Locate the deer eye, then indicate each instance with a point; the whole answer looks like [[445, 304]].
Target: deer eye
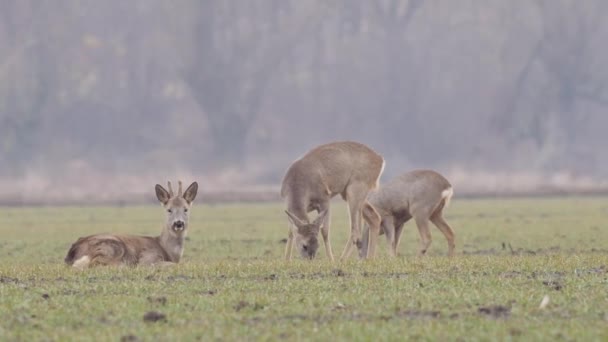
[[169, 210], [186, 210], [305, 247]]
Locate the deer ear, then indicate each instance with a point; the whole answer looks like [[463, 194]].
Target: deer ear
[[162, 194], [294, 219], [190, 193]]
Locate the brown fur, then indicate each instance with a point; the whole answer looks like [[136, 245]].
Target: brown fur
[[419, 194], [347, 168], [117, 249], [110, 249]]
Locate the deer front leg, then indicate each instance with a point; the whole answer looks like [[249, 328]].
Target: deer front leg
[[325, 232], [397, 240], [447, 231], [388, 227], [289, 244]]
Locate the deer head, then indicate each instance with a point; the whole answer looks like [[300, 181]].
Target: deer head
[[177, 206], [306, 234]]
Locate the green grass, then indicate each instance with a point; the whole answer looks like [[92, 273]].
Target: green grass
[[234, 285]]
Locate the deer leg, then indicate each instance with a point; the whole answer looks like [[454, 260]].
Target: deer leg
[[397, 239], [445, 228], [388, 227], [325, 232], [425, 235], [354, 214], [398, 230], [289, 245], [355, 196], [371, 216]]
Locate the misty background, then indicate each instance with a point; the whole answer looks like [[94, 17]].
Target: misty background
[[100, 100]]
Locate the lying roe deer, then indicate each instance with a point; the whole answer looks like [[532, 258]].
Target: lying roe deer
[[421, 194], [347, 168], [109, 249]]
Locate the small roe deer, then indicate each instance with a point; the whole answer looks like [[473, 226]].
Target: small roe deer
[[421, 194], [347, 168], [109, 249]]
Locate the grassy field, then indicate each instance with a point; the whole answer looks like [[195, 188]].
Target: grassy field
[[234, 285]]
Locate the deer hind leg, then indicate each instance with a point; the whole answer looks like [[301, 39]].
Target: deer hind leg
[[444, 227], [371, 216], [425, 235], [355, 196], [354, 218], [108, 252]]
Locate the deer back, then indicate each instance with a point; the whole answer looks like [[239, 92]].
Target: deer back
[[107, 249], [328, 169], [412, 191]]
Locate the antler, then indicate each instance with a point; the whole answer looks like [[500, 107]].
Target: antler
[[179, 189], [171, 188]]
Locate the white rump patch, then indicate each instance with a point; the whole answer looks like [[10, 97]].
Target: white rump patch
[[82, 262], [447, 195]]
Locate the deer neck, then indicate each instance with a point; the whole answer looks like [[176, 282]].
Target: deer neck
[[172, 244], [298, 205]]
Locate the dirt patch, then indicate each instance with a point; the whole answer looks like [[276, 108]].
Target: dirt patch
[[46, 296], [179, 277], [491, 251], [152, 277], [511, 274], [597, 270], [515, 332], [554, 284], [70, 292], [495, 311], [158, 300], [315, 275], [271, 277], [339, 307], [397, 275], [243, 304], [554, 275], [417, 314], [508, 248], [299, 317], [338, 273], [6, 280], [240, 305], [129, 338], [599, 250], [155, 316]]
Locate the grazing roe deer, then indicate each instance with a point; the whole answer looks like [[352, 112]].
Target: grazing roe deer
[[347, 168], [110, 249], [421, 194]]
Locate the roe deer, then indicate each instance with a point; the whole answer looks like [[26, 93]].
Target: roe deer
[[109, 249], [421, 194], [347, 168]]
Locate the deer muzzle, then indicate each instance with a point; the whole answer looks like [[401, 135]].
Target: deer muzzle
[[179, 226]]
